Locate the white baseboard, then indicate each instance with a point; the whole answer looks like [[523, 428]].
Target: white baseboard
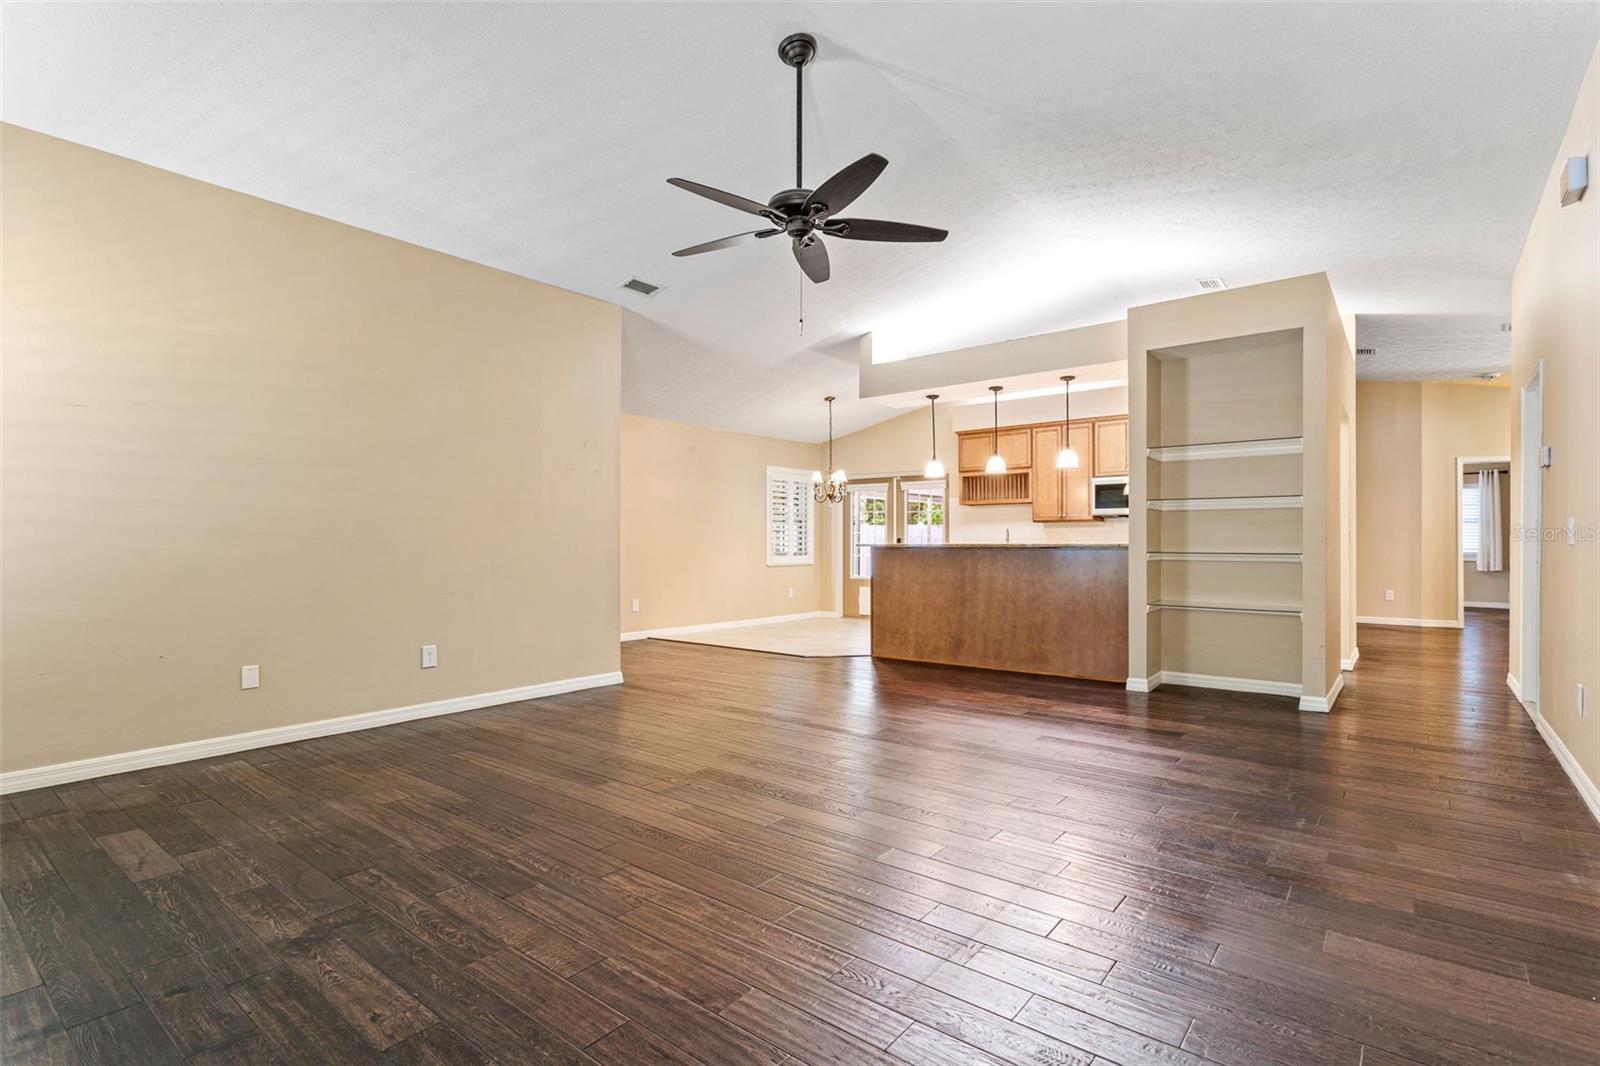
[[1231, 684], [711, 627], [1350, 663], [1580, 780], [1490, 606], [84, 769], [1144, 684], [1421, 623], [1324, 704]]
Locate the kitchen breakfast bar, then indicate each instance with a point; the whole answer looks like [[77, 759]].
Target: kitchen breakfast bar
[[1056, 609]]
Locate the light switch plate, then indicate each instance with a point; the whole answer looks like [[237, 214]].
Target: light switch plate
[[249, 677], [635, 606], [430, 656]]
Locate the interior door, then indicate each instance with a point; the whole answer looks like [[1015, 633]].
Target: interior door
[[869, 519]]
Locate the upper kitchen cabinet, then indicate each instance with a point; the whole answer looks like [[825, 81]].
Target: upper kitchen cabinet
[[1110, 447]]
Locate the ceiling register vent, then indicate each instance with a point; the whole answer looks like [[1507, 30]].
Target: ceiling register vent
[[1366, 351], [643, 288], [1210, 284]]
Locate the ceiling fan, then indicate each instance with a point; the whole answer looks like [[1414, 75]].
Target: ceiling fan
[[806, 215]]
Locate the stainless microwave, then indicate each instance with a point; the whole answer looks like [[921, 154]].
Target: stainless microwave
[[1108, 496]]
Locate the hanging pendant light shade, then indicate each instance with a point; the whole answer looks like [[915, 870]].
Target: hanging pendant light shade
[[832, 488], [997, 462], [934, 468], [1067, 458]]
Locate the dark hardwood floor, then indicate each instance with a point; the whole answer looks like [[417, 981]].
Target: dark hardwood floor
[[744, 858]]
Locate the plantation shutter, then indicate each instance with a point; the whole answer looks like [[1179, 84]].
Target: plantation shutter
[[789, 517]]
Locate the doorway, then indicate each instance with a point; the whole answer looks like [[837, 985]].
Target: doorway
[[880, 511], [1530, 535]]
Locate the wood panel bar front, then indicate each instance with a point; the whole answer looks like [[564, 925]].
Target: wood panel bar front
[[1054, 609]]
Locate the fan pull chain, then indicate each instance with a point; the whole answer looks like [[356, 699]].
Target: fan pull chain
[[802, 305]]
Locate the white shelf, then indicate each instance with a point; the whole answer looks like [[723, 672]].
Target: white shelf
[[1282, 610], [1230, 503], [1224, 557], [1230, 449]]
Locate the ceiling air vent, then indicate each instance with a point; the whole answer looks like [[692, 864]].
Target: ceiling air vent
[[1211, 284], [1366, 351], [643, 288], [1505, 327]]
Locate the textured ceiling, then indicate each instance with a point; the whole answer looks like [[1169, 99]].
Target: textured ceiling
[[1431, 347], [1085, 157]]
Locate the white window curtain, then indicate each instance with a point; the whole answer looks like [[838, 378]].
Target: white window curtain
[[1491, 537]]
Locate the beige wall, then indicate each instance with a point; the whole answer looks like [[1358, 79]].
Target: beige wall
[[239, 434], [1555, 316], [694, 527], [1409, 436]]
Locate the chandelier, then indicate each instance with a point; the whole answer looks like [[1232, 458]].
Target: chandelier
[[832, 490]]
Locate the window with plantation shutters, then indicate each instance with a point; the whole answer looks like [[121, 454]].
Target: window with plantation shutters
[[790, 511]]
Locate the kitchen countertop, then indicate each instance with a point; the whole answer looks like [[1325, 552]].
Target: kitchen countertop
[[1057, 547]]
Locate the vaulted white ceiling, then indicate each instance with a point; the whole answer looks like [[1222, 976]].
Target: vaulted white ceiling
[[1084, 157]]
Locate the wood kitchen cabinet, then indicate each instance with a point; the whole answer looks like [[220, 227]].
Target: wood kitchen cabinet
[[1032, 477], [1110, 447], [975, 447], [1062, 495]]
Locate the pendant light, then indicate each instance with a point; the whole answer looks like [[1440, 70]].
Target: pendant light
[[831, 490], [997, 462], [1066, 458], [934, 468]]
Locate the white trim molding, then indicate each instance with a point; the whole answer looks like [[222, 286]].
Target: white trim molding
[[1580, 780], [1324, 704], [1489, 606], [1350, 663], [712, 627], [1415, 623], [1144, 684], [99, 766], [1230, 684]]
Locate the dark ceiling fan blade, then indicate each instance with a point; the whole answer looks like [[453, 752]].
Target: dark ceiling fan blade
[[726, 242], [839, 191], [733, 200], [872, 229], [813, 259]]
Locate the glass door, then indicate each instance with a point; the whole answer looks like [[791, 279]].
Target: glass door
[[868, 522], [922, 512]]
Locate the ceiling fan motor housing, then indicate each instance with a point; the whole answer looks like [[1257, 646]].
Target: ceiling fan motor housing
[[797, 49]]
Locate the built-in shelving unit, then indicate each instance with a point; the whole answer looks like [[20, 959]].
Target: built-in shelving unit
[[1230, 449], [1223, 581], [1224, 608], [1229, 503]]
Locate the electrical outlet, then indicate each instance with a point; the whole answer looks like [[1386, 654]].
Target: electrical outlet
[[430, 656], [249, 677], [636, 606], [791, 594], [1388, 594]]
